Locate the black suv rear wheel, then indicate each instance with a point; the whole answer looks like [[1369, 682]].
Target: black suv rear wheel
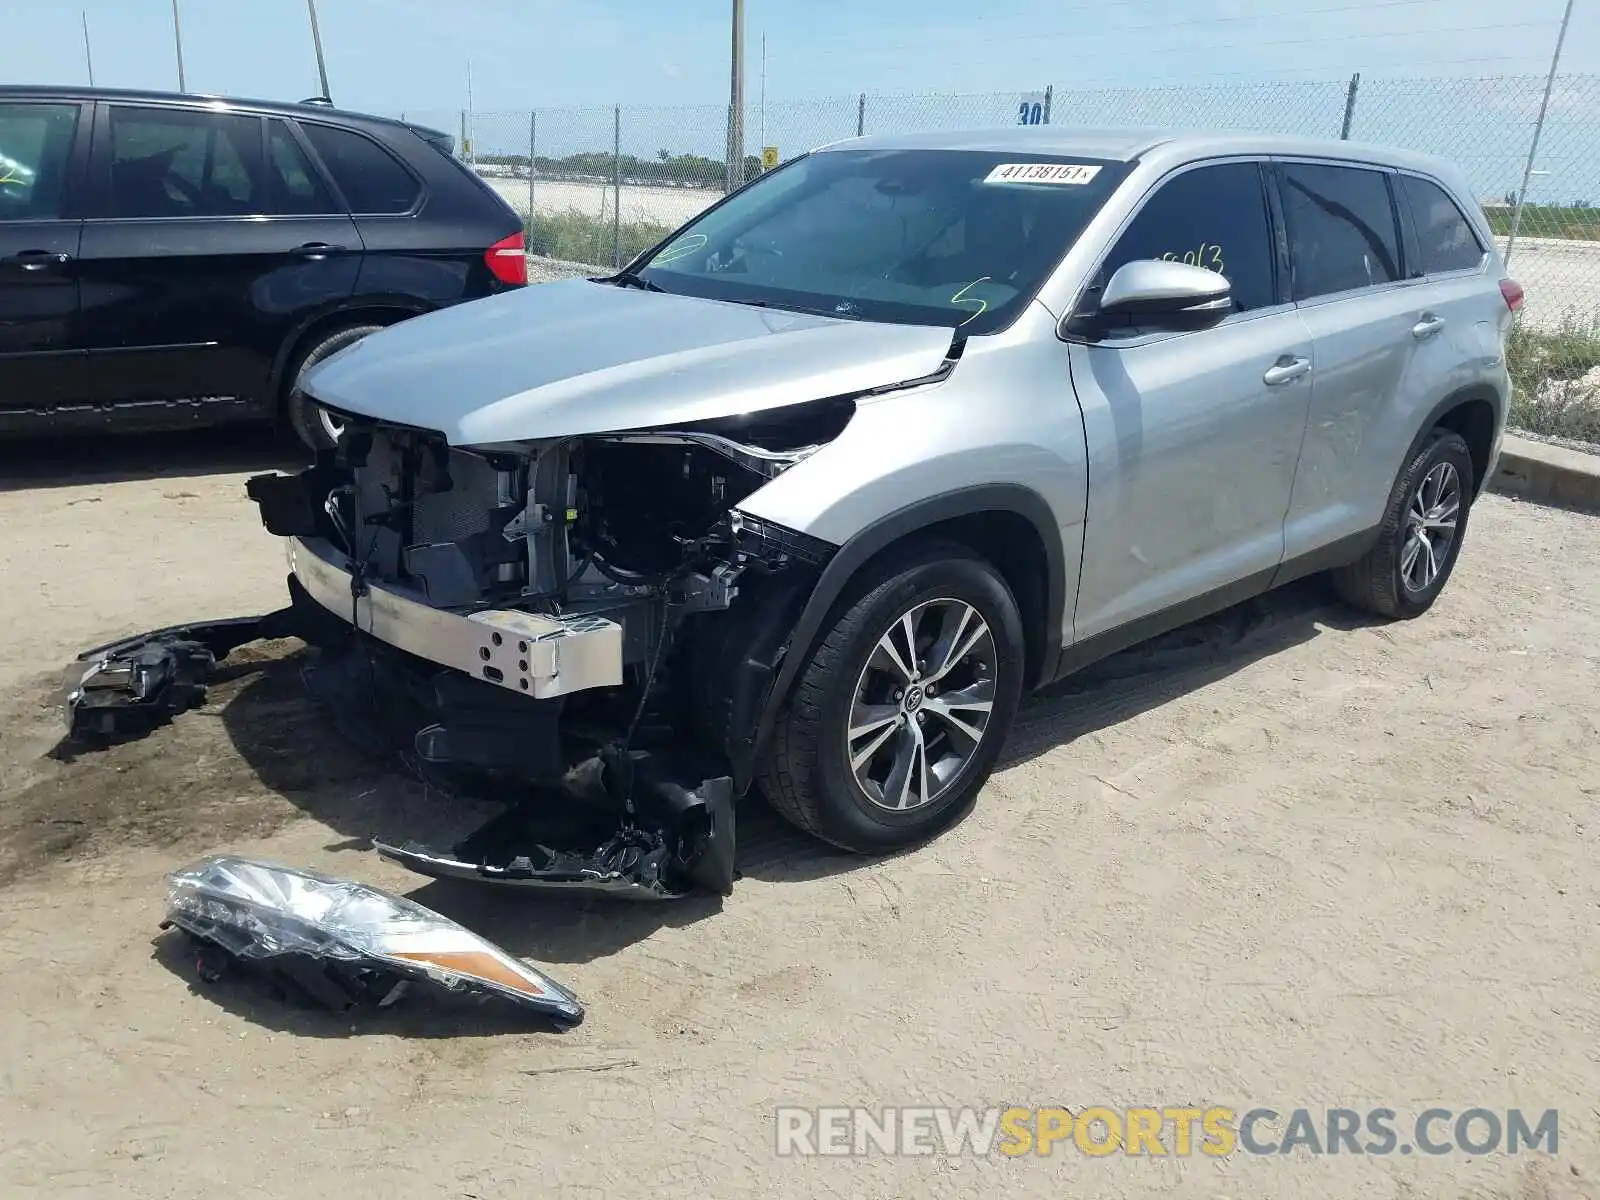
[[315, 425], [900, 712]]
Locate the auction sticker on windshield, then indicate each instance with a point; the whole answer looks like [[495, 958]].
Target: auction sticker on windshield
[[1073, 173]]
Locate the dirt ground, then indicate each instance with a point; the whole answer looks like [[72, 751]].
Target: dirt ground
[[1285, 859]]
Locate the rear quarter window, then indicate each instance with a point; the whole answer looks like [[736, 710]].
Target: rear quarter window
[[1445, 238], [373, 181]]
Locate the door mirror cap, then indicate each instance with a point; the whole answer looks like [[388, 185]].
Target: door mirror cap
[[1153, 287], [1155, 294]]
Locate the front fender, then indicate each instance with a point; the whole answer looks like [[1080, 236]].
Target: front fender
[[872, 541], [915, 460]]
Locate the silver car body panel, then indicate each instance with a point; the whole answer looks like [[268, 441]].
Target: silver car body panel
[[1172, 468], [1190, 472], [528, 653], [1192, 460], [963, 432], [576, 357]]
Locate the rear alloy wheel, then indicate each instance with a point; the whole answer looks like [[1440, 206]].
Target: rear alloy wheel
[[317, 427], [900, 712], [1432, 518], [1423, 527]]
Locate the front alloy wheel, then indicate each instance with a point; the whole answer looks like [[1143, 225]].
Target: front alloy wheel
[[922, 704], [901, 708]]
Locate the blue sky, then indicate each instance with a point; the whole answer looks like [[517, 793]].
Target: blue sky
[[390, 55]]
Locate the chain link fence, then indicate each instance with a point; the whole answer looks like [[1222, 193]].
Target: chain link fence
[[599, 184]]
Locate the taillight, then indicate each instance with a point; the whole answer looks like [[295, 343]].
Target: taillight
[[507, 260], [1512, 291]]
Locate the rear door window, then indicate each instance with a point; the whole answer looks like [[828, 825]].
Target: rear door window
[[35, 147], [180, 163], [372, 180], [1342, 230], [297, 186], [1445, 239], [1213, 217]]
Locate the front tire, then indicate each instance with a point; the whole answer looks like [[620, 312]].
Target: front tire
[[897, 718], [316, 427], [1420, 539]]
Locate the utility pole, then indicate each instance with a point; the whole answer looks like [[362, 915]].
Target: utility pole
[[316, 40], [735, 102], [1538, 128], [466, 135], [763, 90], [1350, 107], [87, 56], [177, 41]]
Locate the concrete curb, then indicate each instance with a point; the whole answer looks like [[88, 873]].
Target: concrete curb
[[1548, 474]]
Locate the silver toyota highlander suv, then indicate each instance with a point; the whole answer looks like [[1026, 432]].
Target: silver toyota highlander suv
[[820, 486]]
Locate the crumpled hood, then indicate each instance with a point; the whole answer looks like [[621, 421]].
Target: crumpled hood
[[571, 358]]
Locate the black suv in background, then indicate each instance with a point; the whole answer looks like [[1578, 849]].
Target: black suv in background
[[170, 260]]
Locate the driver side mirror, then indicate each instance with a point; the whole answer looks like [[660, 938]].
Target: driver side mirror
[[1153, 294]]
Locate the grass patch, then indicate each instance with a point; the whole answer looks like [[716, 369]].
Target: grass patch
[[1548, 220], [579, 237], [1555, 378]]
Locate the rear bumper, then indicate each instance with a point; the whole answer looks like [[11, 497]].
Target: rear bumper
[[533, 655]]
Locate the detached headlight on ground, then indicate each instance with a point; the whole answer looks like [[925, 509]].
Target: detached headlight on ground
[[345, 942]]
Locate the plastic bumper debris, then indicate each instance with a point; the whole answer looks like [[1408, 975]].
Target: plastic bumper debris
[[632, 828], [129, 687]]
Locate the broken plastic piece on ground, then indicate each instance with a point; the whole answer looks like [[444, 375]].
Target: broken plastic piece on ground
[[677, 840], [652, 824], [342, 942], [130, 687]]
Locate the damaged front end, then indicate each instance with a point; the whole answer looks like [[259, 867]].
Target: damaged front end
[[585, 628], [619, 824]]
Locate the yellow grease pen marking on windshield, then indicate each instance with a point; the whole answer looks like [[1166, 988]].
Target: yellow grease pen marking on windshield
[[8, 177], [961, 297], [680, 249]]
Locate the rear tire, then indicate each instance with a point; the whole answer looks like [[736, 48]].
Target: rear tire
[[311, 422], [875, 753], [1420, 539]]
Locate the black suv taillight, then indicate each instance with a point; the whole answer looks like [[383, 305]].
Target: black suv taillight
[[507, 259]]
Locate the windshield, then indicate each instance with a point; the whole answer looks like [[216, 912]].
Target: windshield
[[927, 237]]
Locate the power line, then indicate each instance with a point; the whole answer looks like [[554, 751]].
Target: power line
[[1334, 74], [1314, 41], [1081, 35]]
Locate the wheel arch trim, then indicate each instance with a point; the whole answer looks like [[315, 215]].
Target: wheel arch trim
[[384, 310], [1482, 393], [865, 546]]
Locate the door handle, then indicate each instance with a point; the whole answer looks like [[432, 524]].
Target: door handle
[[1287, 370], [1427, 326], [316, 251], [36, 260]]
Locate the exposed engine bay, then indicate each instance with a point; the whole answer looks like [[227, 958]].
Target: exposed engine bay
[[586, 628]]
